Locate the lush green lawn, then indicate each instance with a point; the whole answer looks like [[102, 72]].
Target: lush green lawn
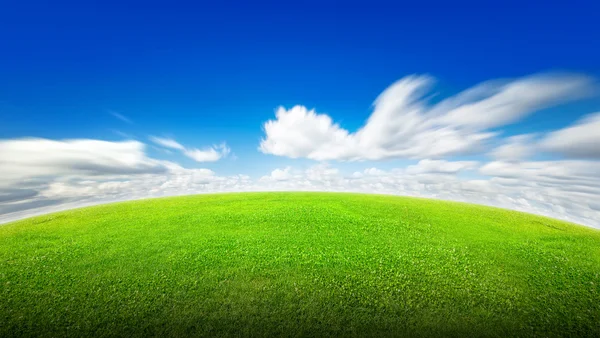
[[298, 264]]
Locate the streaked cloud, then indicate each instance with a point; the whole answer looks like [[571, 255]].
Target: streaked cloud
[[441, 167], [23, 160], [565, 190], [40, 175], [167, 142], [120, 117], [208, 154], [405, 125], [581, 140], [515, 148]]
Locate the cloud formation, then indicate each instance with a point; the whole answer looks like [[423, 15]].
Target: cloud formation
[[121, 117], [167, 142], [565, 190], [562, 189], [581, 140], [41, 175], [578, 141], [440, 167], [24, 160], [31, 166], [209, 154], [404, 125]]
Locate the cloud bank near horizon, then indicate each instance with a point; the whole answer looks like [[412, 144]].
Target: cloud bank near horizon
[[41, 175]]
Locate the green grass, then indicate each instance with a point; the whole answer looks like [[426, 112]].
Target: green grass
[[298, 264]]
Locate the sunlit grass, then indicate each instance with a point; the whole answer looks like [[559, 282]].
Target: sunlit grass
[[297, 264]]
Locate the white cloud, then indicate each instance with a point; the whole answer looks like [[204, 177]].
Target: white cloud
[[30, 167], [404, 125], [441, 167], [209, 154], [565, 190], [22, 160], [322, 172], [562, 189], [317, 173], [564, 175], [497, 103], [373, 172], [299, 132], [121, 117], [279, 175], [515, 148], [40, 175], [167, 142], [579, 140]]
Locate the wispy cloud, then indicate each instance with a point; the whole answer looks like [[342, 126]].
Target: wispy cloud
[[515, 148], [122, 134], [121, 117], [167, 142], [581, 140], [208, 154]]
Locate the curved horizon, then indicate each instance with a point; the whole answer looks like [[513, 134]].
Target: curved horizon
[[104, 102], [26, 214]]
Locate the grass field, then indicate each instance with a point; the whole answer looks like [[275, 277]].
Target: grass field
[[297, 264]]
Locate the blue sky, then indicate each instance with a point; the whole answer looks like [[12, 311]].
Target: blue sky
[[204, 73]]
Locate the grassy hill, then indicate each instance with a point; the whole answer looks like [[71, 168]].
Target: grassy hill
[[298, 264]]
